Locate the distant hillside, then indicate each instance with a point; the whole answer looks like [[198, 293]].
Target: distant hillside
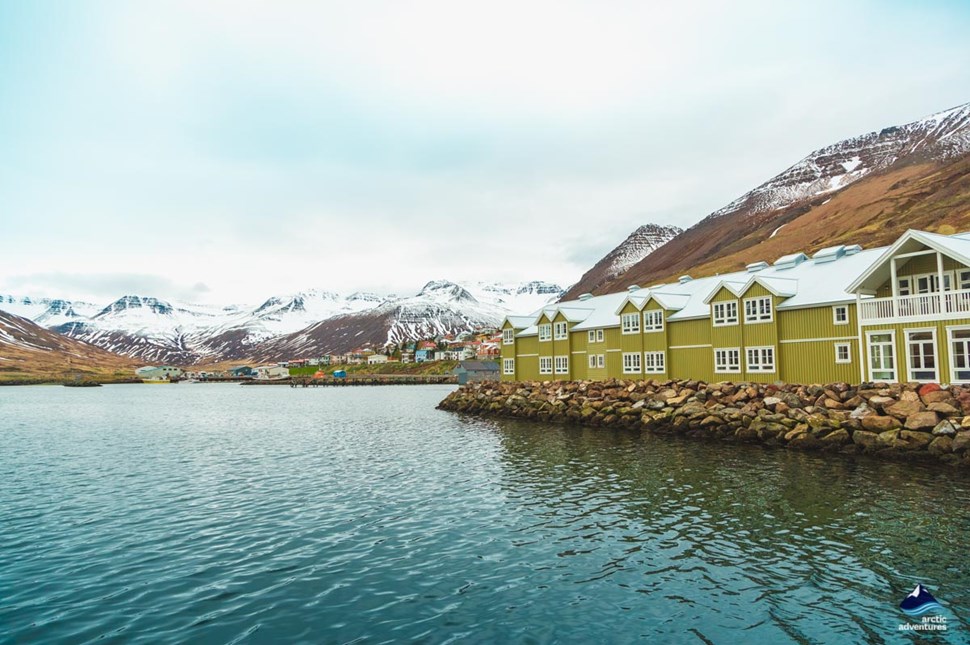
[[864, 190], [29, 352]]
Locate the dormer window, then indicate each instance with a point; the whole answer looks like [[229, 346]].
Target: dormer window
[[508, 336], [545, 332], [757, 310], [725, 313], [560, 331]]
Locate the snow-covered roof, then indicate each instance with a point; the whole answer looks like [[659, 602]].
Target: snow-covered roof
[[878, 271]]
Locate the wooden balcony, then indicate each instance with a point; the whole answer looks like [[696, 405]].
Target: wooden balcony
[[953, 304]]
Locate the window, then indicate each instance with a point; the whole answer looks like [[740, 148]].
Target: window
[[631, 363], [921, 354], [560, 331], [725, 313], [882, 360], [653, 320], [508, 366], [757, 309], [630, 323], [963, 280], [727, 360], [545, 364], [960, 354], [653, 362], [592, 361], [508, 336], [599, 335], [591, 336], [905, 287], [562, 365], [601, 360], [840, 314], [545, 332], [761, 359], [843, 353]]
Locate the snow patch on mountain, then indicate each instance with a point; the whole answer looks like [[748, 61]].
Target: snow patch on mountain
[[638, 245]]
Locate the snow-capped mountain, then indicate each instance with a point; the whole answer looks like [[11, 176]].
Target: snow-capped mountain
[[866, 189], [159, 331], [938, 137], [638, 245]]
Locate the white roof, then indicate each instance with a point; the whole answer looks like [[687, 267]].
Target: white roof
[[805, 284]]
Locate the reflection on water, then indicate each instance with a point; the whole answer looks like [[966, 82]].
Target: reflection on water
[[222, 513]]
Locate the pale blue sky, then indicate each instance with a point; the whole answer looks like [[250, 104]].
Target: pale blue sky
[[195, 150]]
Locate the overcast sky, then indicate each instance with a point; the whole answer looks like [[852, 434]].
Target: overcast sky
[[226, 151]]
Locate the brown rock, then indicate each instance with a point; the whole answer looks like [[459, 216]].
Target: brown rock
[[937, 396], [945, 409], [832, 404], [929, 387], [908, 395], [941, 446], [877, 423], [888, 438], [905, 408], [881, 401], [839, 436], [916, 439], [865, 438], [922, 420], [946, 427], [677, 400], [961, 442]]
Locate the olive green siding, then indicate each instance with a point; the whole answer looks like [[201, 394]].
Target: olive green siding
[[692, 363], [901, 349], [689, 332], [814, 362], [578, 364], [526, 361], [816, 322], [918, 265]]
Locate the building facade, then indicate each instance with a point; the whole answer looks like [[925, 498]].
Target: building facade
[[897, 313]]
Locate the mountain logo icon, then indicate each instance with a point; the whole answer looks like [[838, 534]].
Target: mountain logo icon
[[919, 602]]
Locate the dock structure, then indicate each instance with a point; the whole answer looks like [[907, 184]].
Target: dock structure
[[379, 379]]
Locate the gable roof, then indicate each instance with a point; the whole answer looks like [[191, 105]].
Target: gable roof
[[953, 246]]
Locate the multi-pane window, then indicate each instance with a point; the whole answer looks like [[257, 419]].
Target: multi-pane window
[[630, 323], [761, 359], [653, 362], [545, 364], [843, 353], [960, 354], [757, 309], [508, 336], [599, 335], [653, 320], [840, 314], [591, 336], [560, 331], [631, 363], [508, 365], [963, 280], [591, 358], [882, 359], [601, 360], [562, 364], [725, 313], [921, 353], [545, 332], [727, 360]]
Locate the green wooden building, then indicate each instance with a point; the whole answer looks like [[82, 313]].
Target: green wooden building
[[897, 313]]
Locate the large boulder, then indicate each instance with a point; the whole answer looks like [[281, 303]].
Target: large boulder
[[878, 424], [903, 409], [922, 420], [865, 438]]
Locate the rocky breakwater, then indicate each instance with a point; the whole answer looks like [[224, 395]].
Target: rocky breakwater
[[907, 420]]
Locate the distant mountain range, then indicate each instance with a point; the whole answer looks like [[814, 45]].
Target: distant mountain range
[[311, 322], [867, 190]]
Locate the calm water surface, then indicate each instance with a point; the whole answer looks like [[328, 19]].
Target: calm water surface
[[220, 513]]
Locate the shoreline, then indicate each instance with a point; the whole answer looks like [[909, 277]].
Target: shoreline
[[910, 421]]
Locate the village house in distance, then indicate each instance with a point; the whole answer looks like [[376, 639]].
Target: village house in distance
[[897, 313]]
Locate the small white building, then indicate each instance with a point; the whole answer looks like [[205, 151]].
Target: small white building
[[375, 359], [271, 373]]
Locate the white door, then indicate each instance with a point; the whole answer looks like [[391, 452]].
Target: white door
[[882, 359], [921, 354]]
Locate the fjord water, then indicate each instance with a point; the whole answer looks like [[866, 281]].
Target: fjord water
[[222, 513]]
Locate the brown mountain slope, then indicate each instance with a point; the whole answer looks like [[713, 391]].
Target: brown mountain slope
[[872, 212], [29, 352]]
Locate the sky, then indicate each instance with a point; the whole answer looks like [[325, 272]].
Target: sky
[[222, 152]]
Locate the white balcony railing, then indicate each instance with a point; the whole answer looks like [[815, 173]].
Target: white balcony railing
[[919, 306]]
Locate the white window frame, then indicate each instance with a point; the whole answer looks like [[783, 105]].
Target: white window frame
[[654, 362], [508, 366], [599, 336], [848, 353], [910, 370], [765, 360], [724, 319], [966, 346], [835, 314], [963, 279], [545, 364], [891, 343], [562, 364], [727, 366], [600, 361], [759, 315], [630, 323], [591, 361], [508, 336], [632, 363], [591, 336], [545, 332], [560, 330], [653, 320]]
